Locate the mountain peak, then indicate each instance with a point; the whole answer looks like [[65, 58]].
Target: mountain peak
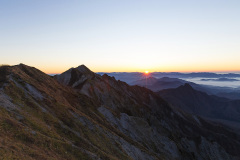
[[21, 70], [82, 68], [75, 76], [186, 87]]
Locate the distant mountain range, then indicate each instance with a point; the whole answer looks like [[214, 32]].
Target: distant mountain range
[[158, 84], [202, 104], [130, 77], [83, 115]]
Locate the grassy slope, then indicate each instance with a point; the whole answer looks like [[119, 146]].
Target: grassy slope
[[29, 132]]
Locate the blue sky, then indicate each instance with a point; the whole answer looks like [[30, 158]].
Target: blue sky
[[125, 35]]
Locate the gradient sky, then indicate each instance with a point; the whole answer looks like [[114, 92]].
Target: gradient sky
[[123, 35]]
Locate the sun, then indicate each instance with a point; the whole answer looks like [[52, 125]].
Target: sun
[[146, 72]]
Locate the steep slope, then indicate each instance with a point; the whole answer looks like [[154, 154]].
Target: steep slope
[[146, 118], [200, 103], [42, 119], [97, 117]]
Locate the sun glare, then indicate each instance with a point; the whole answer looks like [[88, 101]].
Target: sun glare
[[146, 72]]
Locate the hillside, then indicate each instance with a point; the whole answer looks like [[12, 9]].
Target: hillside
[[202, 104], [82, 115]]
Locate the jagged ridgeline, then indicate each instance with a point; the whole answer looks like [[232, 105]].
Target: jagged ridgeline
[[82, 115]]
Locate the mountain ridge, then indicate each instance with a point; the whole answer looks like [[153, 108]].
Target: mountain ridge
[[103, 119], [200, 103]]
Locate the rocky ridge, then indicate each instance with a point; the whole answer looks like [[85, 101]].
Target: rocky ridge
[[82, 115]]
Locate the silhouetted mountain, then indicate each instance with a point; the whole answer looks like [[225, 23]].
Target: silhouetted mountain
[[165, 83], [156, 85], [159, 84], [145, 81], [88, 116], [127, 77], [202, 104], [130, 77]]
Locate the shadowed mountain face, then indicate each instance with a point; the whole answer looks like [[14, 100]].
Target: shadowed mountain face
[[200, 103], [88, 116]]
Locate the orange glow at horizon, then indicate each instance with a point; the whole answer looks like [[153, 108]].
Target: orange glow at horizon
[[61, 69]]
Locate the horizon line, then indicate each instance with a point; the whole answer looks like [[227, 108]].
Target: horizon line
[[217, 72], [142, 71]]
